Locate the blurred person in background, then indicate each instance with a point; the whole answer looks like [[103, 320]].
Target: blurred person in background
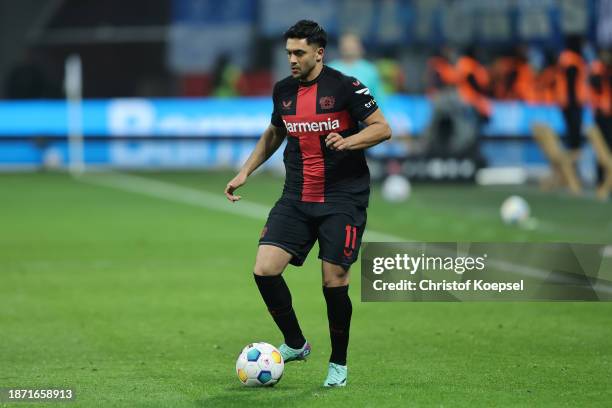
[[450, 132], [392, 76], [503, 75], [225, 77], [473, 83], [523, 84], [570, 95], [600, 136], [440, 73], [512, 77], [544, 81], [571, 91], [353, 63]]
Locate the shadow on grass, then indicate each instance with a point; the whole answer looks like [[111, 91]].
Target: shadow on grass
[[279, 396]]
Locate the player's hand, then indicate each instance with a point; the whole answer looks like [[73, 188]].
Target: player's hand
[[336, 142], [234, 183]]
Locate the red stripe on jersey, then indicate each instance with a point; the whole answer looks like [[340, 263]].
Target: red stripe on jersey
[[313, 164], [308, 126]]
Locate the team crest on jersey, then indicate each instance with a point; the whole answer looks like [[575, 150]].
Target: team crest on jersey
[[327, 102], [356, 83], [287, 104]]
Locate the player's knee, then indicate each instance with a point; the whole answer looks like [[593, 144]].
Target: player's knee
[[335, 276], [266, 269], [270, 261], [268, 266], [336, 281]]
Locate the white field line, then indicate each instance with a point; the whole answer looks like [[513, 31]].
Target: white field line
[[199, 198], [218, 202]]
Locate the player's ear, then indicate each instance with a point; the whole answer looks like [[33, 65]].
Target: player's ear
[[320, 53]]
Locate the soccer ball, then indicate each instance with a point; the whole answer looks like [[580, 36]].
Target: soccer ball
[[259, 364], [514, 210], [396, 188]]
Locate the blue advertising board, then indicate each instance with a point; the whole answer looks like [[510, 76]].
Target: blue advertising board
[[238, 122], [238, 117]]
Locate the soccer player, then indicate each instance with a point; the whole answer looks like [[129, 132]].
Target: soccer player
[[317, 110]]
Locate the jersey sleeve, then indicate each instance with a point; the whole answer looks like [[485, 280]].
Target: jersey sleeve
[[276, 118], [361, 103]]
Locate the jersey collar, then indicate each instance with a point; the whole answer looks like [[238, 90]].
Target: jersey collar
[[313, 81]]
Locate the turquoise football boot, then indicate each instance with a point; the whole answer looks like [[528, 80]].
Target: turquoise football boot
[[336, 376], [291, 354]]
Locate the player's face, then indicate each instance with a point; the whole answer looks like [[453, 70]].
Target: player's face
[[302, 57]]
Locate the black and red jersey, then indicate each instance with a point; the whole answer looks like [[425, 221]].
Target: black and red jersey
[[310, 111]]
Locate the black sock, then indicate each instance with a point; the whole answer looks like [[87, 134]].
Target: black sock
[[339, 311], [275, 293]]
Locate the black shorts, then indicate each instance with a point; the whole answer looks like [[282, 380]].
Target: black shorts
[[295, 226]]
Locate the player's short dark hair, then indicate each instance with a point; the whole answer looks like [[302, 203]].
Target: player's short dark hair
[[308, 29]]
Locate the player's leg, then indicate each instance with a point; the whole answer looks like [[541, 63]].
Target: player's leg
[[339, 312], [340, 235], [269, 266], [286, 238], [561, 163], [339, 309]]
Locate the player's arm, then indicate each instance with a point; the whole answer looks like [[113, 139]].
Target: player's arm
[[268, 143], [377, 130]]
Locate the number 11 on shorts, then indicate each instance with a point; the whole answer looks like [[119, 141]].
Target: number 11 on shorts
[[350, 239]]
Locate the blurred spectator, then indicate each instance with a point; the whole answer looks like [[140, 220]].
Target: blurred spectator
[[452, 133], [571, 91], [440, 72], [503, 75], [225, 78], [570, 95], [391, 75], [513, 77], [473, 82], [522, 88], [353, 63], [544, 84]]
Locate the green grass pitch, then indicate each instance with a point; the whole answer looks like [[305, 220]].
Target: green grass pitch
[[143, 301]]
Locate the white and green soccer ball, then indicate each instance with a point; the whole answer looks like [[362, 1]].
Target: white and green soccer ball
[[259, 365], [514, 210]]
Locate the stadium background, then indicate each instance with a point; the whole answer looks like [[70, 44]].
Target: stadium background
[[133, 285]]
